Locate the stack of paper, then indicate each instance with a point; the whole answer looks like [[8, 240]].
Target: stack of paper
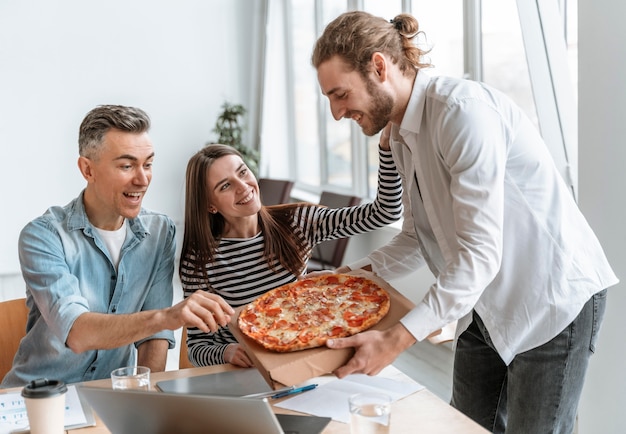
[[330, 399]]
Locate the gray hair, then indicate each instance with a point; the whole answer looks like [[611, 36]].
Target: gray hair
[[104, 118]]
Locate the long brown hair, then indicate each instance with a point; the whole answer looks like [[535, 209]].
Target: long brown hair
[[204, 230], [355, 36]]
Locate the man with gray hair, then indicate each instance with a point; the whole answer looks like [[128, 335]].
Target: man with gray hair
[[98, 271]]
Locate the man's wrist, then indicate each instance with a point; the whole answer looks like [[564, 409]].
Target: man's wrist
[[401, 336]]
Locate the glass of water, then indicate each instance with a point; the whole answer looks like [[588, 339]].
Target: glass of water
[[131, 377], [370, 413]]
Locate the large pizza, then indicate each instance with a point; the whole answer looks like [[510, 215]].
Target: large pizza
[[306, 313]]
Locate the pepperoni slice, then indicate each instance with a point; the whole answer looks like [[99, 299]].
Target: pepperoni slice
[[331, 280], [353, 320], [336, 331], [273, 311], [249, 317]]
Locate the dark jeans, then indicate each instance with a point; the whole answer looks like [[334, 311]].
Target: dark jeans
[[538, 393]]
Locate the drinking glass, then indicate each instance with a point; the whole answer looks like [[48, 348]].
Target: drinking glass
[[370, 413], [131, 377]]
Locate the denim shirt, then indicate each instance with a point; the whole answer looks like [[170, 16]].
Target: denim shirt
[[68, 271]]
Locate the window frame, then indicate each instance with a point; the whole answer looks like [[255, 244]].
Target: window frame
[[543, 25]]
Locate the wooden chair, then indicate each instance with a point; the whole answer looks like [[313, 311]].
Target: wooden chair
[[329, 254], [275, 191], [13, 316], [183, 361]]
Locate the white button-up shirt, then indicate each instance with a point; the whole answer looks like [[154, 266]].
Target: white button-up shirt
[[487, 210]]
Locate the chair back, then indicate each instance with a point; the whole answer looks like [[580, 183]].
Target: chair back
[[275, 191], [183, 360], [329, 254], [13, 317]]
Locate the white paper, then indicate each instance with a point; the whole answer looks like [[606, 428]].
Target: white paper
[[330, 399], [13, 417]]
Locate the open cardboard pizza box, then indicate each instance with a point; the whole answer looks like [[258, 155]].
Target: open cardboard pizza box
[[287, 369]]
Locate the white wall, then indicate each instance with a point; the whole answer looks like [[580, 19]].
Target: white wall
[[178, 61], [602, 188]]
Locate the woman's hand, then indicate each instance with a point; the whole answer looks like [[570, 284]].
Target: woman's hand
[[385, 134], [235, 354]]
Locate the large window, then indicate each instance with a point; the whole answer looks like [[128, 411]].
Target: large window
[[503, 54], [305, 99], [485, 40]]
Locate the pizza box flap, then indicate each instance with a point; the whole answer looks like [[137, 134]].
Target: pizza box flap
[[288, 369]]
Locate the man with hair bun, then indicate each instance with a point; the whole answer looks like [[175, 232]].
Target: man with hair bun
[[515, 262]]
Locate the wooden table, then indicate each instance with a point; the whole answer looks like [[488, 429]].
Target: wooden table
[[421, 412]]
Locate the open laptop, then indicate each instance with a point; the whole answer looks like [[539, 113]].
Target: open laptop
[[145, 412]]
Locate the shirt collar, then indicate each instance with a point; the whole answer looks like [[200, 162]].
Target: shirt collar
[[411, 121], [77, 218]]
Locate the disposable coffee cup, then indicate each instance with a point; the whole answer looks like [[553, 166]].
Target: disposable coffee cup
[[45, 406]]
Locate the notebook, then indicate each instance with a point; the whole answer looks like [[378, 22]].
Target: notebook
[[144, 412], [239, 382]]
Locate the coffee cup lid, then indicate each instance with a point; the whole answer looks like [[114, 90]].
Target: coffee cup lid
[[43, 388]]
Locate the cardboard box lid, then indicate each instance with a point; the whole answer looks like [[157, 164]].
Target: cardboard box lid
[[287, 369]]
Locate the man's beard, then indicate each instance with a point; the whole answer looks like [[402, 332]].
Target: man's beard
[[379, 110]]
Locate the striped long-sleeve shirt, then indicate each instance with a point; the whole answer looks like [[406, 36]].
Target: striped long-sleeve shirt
[[241, 272]]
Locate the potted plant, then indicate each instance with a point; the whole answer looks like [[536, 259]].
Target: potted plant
[[230, 131]]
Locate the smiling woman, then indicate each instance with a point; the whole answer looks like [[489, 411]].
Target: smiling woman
[[234, 192], [236, 247]]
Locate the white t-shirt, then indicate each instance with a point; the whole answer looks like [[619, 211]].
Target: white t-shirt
[[114, 240]]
